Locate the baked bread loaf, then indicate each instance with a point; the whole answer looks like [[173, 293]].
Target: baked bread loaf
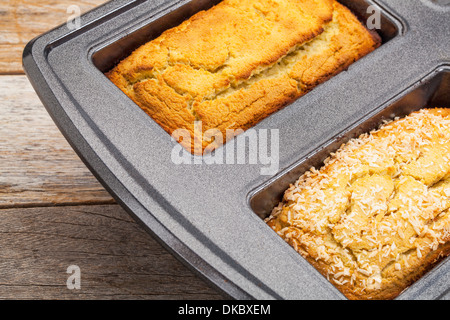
[[376, 216], [233, 65]]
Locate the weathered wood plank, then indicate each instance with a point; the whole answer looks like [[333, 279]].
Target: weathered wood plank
[[116, 257], [22, 20], [37, 165]]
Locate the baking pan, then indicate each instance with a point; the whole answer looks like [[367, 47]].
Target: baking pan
[[211, 215]]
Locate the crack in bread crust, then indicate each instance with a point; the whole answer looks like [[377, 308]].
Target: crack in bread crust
[[238, 62], [376, 216]]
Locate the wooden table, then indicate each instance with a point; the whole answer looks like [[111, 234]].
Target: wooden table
[[54, 213]]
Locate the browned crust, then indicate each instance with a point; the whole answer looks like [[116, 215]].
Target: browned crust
[[219, 69], [412, 266]]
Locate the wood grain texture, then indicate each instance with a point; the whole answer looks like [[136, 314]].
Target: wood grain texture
[[23, 20], [37, 165], [116, 257]]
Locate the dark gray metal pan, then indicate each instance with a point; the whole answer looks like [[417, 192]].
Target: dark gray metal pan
[[210, 215]]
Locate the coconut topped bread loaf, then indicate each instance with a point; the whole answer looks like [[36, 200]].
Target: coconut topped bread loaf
[[376, 216], [233, 65]]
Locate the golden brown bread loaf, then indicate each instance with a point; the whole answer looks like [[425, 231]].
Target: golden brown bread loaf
[[236, 63], [376, 216]]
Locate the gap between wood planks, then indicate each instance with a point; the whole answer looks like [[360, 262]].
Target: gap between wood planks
[[38, 167], [117, 258]]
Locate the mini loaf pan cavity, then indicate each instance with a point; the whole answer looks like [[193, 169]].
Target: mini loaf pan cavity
[[192, 82], [429, 93]]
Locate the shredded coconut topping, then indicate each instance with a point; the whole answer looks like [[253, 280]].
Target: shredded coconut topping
[[378, 207]]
